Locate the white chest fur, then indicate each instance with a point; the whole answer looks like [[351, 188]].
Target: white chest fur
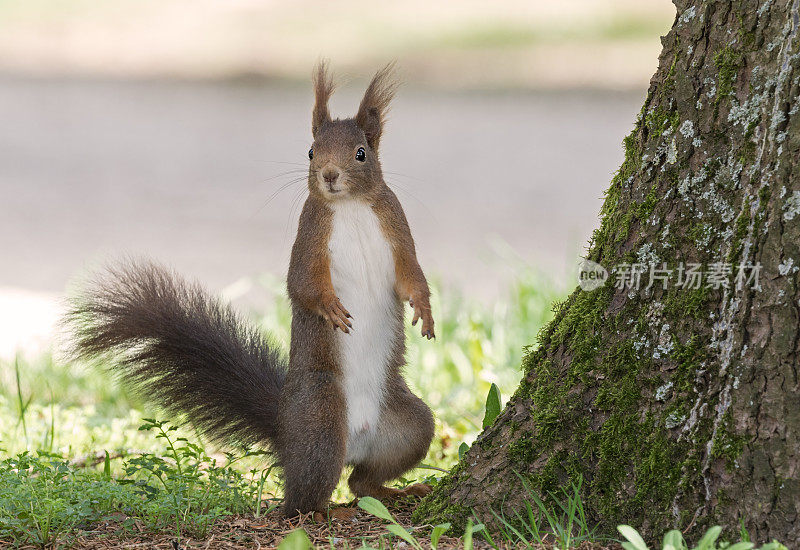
[[363, 276]]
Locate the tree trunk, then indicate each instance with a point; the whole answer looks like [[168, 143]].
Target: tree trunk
[[678, 407]]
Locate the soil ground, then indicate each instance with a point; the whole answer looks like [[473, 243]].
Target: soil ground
[[249, 532]]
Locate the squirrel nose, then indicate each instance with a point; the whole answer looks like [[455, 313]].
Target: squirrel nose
[[330, 175]]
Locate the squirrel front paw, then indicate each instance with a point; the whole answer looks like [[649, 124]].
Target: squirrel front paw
[[422, 310], [335, 313]]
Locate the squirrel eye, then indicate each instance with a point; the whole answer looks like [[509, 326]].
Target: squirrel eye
[[361, 155], [311, 153]]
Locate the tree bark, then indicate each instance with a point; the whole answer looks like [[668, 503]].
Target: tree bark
[[678, 407]]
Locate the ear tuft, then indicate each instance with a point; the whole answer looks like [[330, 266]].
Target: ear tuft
[[375, 105], [323, 89]]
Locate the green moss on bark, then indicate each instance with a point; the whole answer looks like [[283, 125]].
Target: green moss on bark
[[625, 386], [728, 62], [437, 508]]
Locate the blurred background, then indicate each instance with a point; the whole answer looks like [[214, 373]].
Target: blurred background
[[179, 129]]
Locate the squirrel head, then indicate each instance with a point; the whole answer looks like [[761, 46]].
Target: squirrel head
[[344, 156]]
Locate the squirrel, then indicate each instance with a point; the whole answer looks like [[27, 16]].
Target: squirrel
[[341, 398]]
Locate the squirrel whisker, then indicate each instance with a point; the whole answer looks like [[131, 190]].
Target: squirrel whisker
[[287, 173], [280, 189]]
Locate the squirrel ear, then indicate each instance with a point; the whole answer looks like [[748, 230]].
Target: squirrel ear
[[323, 88], [375, 105]]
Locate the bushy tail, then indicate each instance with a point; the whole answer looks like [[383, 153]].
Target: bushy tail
[[182, 349]]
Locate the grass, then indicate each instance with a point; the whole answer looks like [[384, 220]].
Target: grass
[[82, 462], [67, 430], [564, 524], [46, 499]]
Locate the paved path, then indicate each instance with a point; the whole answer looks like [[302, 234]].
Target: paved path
[[182, 172]]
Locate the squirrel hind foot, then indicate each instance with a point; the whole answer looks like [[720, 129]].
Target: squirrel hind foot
[[339, 513], [390, 493], [418, 490]]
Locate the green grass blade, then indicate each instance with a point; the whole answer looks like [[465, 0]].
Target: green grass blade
[[635, 540], [673, 540], [400, 531], [296, 540], [376, 508], [21, 403], [492, 406], [437, 533], [107, 467], [467, 538], [708, 540]]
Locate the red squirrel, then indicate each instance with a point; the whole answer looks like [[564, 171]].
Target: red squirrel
[[341, 399]]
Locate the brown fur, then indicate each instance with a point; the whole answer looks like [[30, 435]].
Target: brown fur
[[323, 88], [193, 355], [411, 284], [374, 107], [406, 423]]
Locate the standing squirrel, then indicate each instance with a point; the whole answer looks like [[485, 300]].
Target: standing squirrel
[[342, 399]]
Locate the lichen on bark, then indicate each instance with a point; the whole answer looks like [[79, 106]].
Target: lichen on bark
[[677, 407]]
